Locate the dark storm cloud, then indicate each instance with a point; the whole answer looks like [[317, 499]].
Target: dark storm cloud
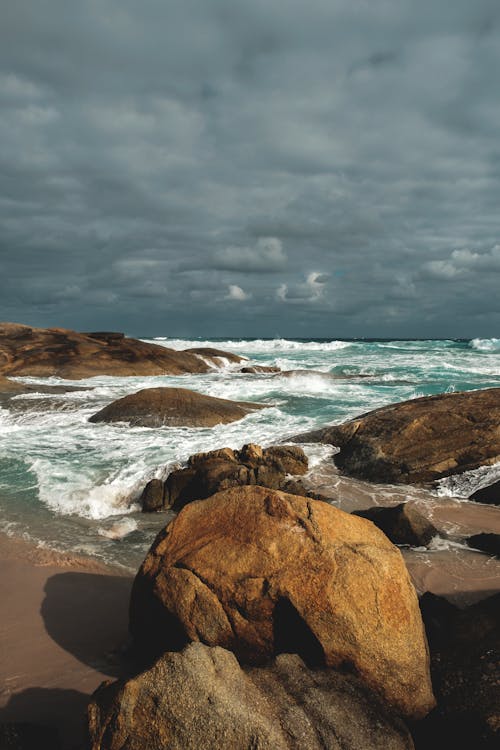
[[230, 168]]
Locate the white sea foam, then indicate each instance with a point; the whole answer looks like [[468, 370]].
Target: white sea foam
[[464, 485], [256, 345], [485, 345], [119, 529]]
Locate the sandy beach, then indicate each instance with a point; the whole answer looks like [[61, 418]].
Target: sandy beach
[[64, 622]]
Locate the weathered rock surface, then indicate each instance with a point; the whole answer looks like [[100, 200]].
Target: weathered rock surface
[[158, 407], [402, 524], [261, 572], [421, 440], [489, 543], [202, 698], [489, 495], [256, 369], [67, 354], [208, 473], [465, 663]]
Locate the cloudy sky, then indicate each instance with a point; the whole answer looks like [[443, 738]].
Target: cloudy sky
[[251, 168]]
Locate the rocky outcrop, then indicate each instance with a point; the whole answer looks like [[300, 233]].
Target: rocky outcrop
[[174, 407], [421, 440], [465, 662], [489, 543], [208, 473], [43, 352], [489, 495], [259, 369], [402, 524], [261, 572], [202, 698]]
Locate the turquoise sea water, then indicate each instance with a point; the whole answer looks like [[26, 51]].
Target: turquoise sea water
[[74, 485]]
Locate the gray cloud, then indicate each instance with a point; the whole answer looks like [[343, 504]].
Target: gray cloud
[[341, 169]]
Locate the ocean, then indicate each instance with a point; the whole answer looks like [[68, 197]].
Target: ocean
[[71, 485]]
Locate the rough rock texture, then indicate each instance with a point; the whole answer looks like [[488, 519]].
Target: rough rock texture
[[56, 351], [419, 440], [158, 407], [490, 494], [208, 473], [255, 369], [202, 698], [261, 572], [402, 524], [489, 543], [465, 662]]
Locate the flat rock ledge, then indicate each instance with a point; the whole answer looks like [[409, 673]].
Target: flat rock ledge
[[418, 441], [202, 698], [174, 407], [43, 352], [260, 572]]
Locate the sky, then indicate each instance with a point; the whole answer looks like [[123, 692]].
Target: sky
[[205, 168]]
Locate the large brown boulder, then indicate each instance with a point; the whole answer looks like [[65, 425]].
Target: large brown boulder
[[260, 572], [208, 473], [202, 698], [43, 352], [157, 407], [421, 440]]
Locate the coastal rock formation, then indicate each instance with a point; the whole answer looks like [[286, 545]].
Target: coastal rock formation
[[43, 352], [465, 663], [210, 702], [421, 440], [208, 473], [158, 407], [402, 524], [260, 572], [489, 494]]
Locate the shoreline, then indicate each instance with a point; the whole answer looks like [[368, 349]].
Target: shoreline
[[61, 633]]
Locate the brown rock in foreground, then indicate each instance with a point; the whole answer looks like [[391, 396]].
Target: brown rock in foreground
[[421, 440], [43, 352], [260, 572], [202, 698], [158, 407], [208, 473]]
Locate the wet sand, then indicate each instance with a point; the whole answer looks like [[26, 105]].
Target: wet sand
[[64, 622]]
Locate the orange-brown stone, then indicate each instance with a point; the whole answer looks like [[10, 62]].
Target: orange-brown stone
[[258, 571]]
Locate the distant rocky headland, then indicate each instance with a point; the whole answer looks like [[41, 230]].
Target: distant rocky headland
[[45, 352]]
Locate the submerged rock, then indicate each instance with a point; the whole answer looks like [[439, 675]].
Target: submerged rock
[[421, 440], [208, 473], [44, 352], [402, 524], [159, 407], [202, 698], [261, 572]]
